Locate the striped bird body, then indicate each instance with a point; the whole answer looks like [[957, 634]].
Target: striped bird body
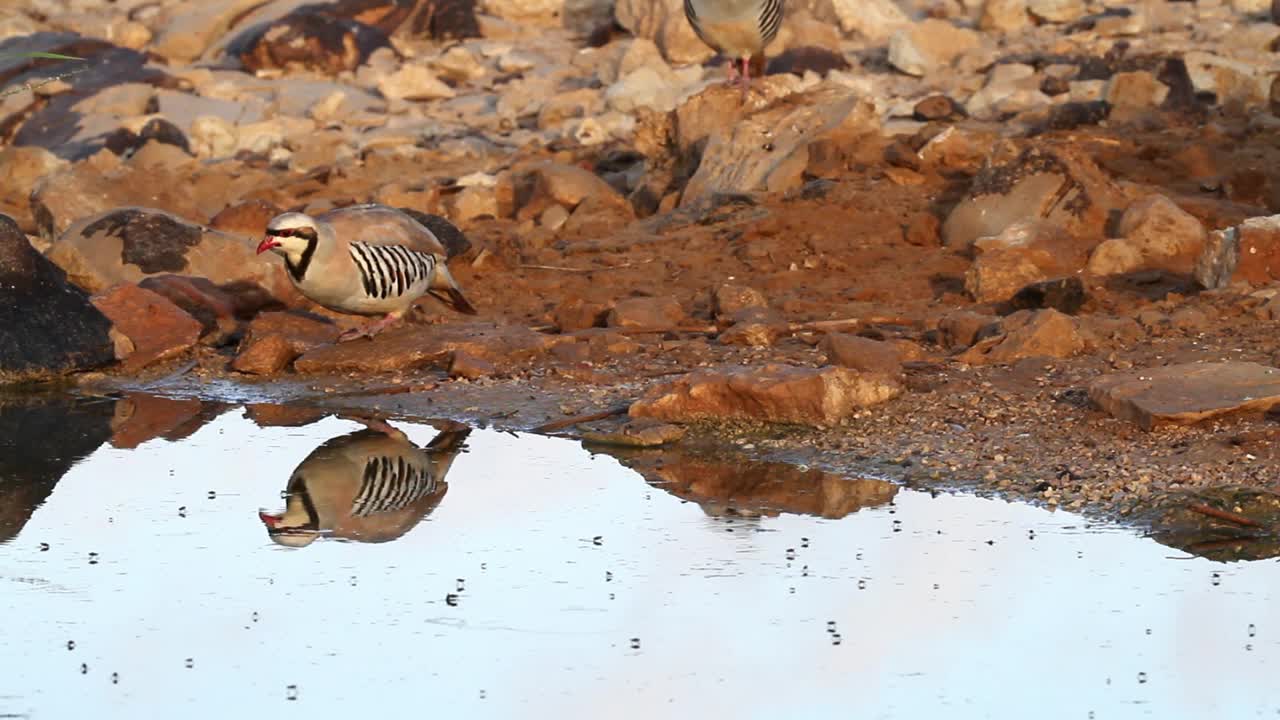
[[388, 275], [739, 29], [366, 486], [365, 260]]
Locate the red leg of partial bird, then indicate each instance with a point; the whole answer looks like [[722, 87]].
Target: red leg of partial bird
[[745, 78], [732, 65], [369, 330]]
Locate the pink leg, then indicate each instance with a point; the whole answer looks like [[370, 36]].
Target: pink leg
[[369, 330], [745, 78], [732, 65]]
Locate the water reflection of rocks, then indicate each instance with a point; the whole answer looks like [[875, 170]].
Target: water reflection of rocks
[[372, 485], [725, 486], [1224, 524], [41, 438]]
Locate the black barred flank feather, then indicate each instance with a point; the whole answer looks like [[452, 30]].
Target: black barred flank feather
[[770, 20], [388, 271]]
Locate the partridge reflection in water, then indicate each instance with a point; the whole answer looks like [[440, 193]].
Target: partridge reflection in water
[[372, 485]]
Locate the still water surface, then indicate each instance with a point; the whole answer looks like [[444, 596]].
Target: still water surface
[[536, 579]]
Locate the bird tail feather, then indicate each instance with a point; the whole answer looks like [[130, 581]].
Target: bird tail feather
[[445, 289]]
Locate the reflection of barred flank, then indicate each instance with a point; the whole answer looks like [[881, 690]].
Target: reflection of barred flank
[[390, 485]]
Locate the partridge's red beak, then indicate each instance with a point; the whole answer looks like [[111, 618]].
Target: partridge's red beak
[[268, 519], [266, 244]]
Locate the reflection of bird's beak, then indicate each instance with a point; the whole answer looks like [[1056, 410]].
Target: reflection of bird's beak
[[271, 521], [266, 244]]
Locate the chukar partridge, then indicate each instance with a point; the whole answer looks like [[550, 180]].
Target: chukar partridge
[[366, 260], [372, 485], [738, 29]]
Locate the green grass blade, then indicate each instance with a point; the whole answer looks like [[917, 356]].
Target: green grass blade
[[39, 55]]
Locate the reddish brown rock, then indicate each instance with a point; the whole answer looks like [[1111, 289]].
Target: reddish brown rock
[[998, 275], [772, 393], [248, 218], [571, 187], [578, 314], [962, 328], [21, 169], [1026, 252], [1063, 187], [1099, 330], [650, 313], [756, 326], [1155, 234], [1028, 333], [859, 353], [729, 300], [572, 352], [596, 217], [1249, 252], [157, 328], [1185, 394], [275, 339], [829, 121], [607, 344], [84, 190], [415, 346], [204, 300], [923, 230], [217, 309], [267, 356], [467, 366]]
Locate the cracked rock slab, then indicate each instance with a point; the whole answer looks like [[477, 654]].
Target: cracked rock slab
[[1186, 394]]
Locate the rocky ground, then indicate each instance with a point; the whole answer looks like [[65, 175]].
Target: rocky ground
[[1023, 245]]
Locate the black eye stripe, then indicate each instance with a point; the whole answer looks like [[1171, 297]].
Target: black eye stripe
[[304, 233]]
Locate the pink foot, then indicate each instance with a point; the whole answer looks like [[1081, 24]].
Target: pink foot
[[369, 330]]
